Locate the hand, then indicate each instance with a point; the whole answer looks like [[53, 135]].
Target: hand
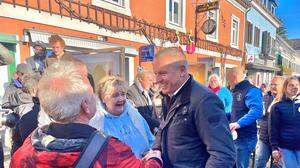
[[234, 126], [153, 154], [276, 156]]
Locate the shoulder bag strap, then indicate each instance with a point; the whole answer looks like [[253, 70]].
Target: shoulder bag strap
[[89, 154]]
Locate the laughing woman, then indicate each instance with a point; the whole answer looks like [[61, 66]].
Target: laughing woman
[[284, 125], [118, 118]]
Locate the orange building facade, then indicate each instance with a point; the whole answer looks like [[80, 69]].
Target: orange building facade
[[96, 24]]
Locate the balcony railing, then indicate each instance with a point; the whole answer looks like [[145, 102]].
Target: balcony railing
[[267, 10], [116, 22]]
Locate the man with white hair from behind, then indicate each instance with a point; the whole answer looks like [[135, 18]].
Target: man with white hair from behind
[[66, 96]]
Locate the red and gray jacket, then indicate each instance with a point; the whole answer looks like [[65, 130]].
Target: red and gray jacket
[[59, 145]]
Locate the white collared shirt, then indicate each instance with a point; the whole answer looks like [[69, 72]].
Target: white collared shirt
[[179, 87]]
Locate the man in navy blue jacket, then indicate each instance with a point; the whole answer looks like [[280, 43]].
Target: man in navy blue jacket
[[247, 107], [194, 131]]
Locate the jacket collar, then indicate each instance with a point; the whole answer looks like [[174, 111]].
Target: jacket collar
[[242, 85], [69, 131], [296, 98], [69, 137], [138, 84], [184, 94]]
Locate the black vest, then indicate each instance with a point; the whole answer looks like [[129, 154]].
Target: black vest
[[239, 109]]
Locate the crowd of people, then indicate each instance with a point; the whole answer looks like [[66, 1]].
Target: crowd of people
[[164, 119]]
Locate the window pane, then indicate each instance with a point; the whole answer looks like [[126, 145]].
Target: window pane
[[175, 11], [180, 10], [234, 24], [256, 37], [234, 36], [119, 2], [176, 14], [249, 30], [234, 32], [170, 10], [126, 69]]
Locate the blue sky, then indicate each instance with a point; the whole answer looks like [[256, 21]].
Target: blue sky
[[289, 12]]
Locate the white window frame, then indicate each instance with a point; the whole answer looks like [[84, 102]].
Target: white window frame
[[175, 26], [216, 37], [119, 3], [123, 8], [265, 3], [234, 18], [273, 9]]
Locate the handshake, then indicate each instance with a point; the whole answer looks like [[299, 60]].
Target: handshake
[[153, 154]]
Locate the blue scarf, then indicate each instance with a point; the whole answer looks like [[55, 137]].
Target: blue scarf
[[17, 83]]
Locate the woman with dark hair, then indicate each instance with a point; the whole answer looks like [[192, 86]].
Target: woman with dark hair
[[284, 125]]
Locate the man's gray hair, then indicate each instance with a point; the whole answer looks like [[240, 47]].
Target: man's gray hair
[[61, 91], [178, 55]]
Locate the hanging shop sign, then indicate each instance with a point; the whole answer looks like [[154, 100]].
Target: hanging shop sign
[[209, 26], [207, 7], [146, 53]]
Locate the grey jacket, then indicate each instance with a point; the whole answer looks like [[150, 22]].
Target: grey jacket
[[139, 99], [14, 97]]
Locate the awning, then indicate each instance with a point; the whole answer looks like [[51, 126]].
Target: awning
[[77, 42], [262, 67], [5, 38]]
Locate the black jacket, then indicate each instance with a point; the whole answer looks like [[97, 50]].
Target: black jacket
[[284, 124], [195, 131], [263, 122], [26, 124], [139, 99]]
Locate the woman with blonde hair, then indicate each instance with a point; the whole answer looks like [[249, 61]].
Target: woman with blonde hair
[[118, 118], [284, 125], [215, 85]]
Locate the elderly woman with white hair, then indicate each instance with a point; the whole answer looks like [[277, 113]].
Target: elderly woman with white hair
[[215, 85], [68, 141], [117, 117]]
